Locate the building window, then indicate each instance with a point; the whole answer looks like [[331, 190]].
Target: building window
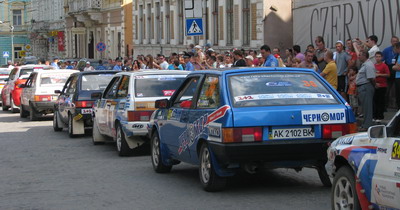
[[215, 22], [246, 22], [180, 21], [229, 22], [17, 17], [167, 23], [17, 52]]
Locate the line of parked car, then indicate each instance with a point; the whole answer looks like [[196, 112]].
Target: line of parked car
[[223, 121]]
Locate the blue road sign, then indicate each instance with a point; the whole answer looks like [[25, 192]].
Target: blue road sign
[[100, 46], [194, 27], [6, 54]]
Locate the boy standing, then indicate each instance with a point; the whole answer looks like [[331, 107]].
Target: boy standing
[[382, 73]]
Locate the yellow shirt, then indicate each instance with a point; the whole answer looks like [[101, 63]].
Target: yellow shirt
[[331, 73]]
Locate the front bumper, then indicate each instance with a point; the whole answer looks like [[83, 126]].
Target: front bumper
[[274, 154]]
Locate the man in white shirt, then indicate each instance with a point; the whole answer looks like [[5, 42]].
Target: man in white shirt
[[371, 43], [88, 67], [163, 63]]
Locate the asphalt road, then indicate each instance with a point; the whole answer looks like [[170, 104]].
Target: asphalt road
[[42, 169]]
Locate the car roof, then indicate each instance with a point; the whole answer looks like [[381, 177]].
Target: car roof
[[96, 72], [153, 72], [33, 66], [55, 71], [252, 70]]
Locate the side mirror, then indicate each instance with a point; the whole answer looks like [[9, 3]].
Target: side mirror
[[22, 86], [96, 95], [6, 80], [377, 131], [57, 91], [162, 104]]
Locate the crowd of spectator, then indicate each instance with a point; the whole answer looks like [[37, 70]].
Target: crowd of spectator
[[359, 70]]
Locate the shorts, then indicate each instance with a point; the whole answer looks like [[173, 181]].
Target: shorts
[[341, 84], [353, 101]]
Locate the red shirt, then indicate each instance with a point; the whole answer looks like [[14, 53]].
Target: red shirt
[[381, 68]]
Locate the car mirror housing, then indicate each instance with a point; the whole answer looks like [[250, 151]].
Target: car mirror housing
[[96, 95], [162, 103], [22, 86], [377, 131], [57, 91]]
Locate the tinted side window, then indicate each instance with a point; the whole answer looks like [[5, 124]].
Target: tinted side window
[[123, 87], [185, 96], [111, 91], [72, 87], [209, 95], [67, 84]]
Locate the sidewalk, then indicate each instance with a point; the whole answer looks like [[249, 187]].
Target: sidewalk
[[388, 116]]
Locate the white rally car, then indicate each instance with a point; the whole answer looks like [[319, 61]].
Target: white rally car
[[366, 168]]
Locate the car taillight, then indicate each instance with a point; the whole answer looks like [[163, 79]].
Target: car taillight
[[84, 104], [337, 130], [251, 134], [139, 115], [42, 97]]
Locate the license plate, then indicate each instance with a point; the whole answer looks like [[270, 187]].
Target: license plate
[[86, 111], [292, 133]]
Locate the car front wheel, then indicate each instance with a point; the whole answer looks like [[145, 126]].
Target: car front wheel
[[344, 194], [156, 158], [209, 179]]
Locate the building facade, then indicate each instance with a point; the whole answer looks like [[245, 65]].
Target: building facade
[[159, 25], [14, 29], [90, 22], [47, 31]]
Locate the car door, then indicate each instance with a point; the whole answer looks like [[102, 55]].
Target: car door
[[9, 87], [386, 177], [208, 102], [65, 99], [27, 92], [106, 101], [175, 132], [117, 108]]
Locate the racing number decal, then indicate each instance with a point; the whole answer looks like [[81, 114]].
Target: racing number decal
[[309, 84], [396, 150]]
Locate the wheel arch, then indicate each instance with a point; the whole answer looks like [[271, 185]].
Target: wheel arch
[[340, 161]]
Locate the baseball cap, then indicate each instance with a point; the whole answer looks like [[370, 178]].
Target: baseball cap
[[198, 47], [119, 58], [259, 55], [249, 57], [340, 41], [88, 62], [181, 53]]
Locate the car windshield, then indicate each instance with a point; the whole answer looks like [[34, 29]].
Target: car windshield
[[95, 81], [157, 85], [269, 89], [48, 79]]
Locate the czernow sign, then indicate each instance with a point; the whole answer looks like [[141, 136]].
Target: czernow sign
[[345, 19]]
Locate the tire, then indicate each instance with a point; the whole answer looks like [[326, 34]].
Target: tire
[[4, 107], [14, 108], [344, 194], [22, 112], [120, 141], [156, 158], [97, 137], [56, 127], [70, 126], [32, 113], [209, 179], [324, 177]]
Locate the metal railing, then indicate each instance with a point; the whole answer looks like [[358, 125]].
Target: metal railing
[[84, 5]]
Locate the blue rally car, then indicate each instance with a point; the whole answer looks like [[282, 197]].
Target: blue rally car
[[224, 120]]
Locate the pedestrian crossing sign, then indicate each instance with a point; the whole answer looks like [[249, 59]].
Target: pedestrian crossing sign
[[6, 54], [194, 27]]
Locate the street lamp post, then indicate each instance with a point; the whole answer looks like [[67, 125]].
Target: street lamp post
[[12, 41]]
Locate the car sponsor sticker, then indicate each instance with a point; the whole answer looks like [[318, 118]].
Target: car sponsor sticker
[[311, 117], [284, 96], [396, 150], [214, 132], [195, 129], [279, 84], [168, 92]]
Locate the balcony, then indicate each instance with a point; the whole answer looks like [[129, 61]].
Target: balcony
[[77, 6], [85, 11]]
